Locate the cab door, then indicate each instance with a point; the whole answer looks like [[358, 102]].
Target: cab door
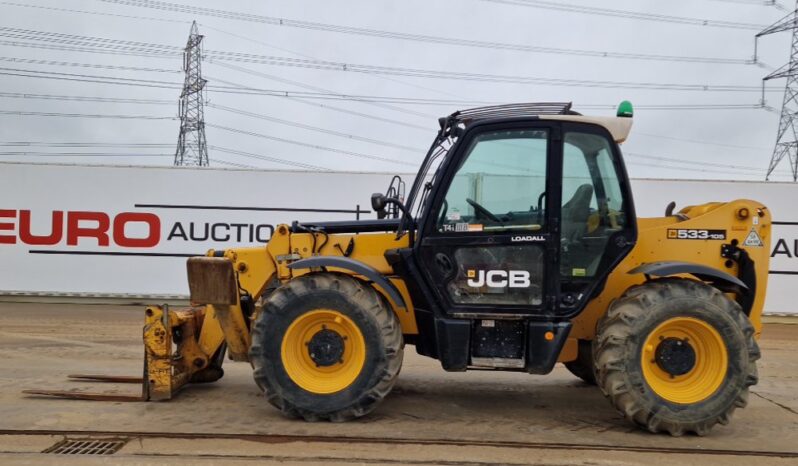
[[491, 234]]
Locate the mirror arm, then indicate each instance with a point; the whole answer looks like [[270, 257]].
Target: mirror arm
[[405, 215]]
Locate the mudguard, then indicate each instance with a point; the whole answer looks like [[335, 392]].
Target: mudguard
[[702, 272], [357, 267]]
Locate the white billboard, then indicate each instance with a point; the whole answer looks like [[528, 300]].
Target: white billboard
[[126, 231], [102, 230]]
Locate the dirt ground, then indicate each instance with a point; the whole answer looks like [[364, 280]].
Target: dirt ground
[[431, 417]]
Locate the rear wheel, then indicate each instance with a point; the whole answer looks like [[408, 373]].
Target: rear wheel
[[326, 347], [583, 366], [676, 356]]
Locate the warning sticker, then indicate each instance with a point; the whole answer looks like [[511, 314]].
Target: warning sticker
[[459, 227], [753, 240]]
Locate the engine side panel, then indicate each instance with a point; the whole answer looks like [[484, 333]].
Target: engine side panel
[[694, 235]]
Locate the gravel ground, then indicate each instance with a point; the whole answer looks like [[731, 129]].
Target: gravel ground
[[431, 417]]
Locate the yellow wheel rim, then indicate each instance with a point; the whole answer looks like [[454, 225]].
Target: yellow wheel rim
[[704, 376], [323, 351]]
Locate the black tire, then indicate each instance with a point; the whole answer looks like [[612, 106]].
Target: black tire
[[631, 319], [359, 302], [583, 366]]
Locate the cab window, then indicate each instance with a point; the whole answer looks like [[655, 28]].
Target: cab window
[[499, 185], [592, 203]]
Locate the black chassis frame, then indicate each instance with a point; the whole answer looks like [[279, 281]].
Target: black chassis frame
[[447, 337]]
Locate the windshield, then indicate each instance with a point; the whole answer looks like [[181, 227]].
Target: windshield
[[427, 175]]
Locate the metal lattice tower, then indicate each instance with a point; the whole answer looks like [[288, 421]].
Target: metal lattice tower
[[192, 149], [787, 136]]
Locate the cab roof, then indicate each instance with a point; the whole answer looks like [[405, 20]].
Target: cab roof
[[618, 127]]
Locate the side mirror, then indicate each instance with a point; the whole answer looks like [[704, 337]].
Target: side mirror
[[378, 204]]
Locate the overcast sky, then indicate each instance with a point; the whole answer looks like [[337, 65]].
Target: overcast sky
[[724, 144]]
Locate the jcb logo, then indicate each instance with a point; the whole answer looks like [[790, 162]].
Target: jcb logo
[[498, 278]]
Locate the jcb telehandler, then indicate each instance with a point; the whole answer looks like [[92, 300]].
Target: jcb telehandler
[[516, 247]]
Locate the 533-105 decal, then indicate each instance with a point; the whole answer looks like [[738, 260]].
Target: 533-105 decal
[[693, 233]]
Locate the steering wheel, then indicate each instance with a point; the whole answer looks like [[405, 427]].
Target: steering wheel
[[483, 211]]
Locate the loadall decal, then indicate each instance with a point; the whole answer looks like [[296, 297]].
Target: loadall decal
[[498, 278], [528, 238], [693, 233]]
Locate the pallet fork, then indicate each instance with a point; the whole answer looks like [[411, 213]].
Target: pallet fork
[[173, 358]]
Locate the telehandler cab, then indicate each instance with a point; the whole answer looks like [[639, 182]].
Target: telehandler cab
[[517, 247]]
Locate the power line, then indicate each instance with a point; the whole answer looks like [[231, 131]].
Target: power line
[[695, 141], [265, 117], [159, 51], [286, 22], [772, 3], [282, 49], [74, 39], [682, 169], [315, 128], [231, 164], [87, 12], [84, 98], [376, 101], [128, 145], [84, 115], [626, 14], [690, 168], [78, 154], [480, 77], [88, 78], [213, 55], [104, 155], [299, 96], [254, 91], [724, 107], [85, 65], [693, 162], [309, 145], [267, 158], [311, 87], [89, 145], [91, 48]]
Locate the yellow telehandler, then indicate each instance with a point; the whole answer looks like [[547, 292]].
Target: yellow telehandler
[[516, 247]]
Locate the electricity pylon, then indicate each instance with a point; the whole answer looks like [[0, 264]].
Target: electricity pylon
[[192, 149], [787, 136]]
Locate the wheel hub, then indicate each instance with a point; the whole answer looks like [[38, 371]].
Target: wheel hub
[[675, 356], [323, 351], [326, 348]]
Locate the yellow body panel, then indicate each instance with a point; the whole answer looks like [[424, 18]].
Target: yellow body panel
[[265, 267], [653, 245]]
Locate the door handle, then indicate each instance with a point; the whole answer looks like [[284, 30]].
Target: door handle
[[443, 263]]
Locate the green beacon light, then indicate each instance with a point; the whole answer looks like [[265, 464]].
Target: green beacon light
[[625, 110]]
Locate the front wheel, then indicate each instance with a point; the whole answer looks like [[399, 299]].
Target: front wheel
[[326, 347], [676, 355]]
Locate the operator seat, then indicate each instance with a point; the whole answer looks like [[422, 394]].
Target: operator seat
[[575, 213]]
